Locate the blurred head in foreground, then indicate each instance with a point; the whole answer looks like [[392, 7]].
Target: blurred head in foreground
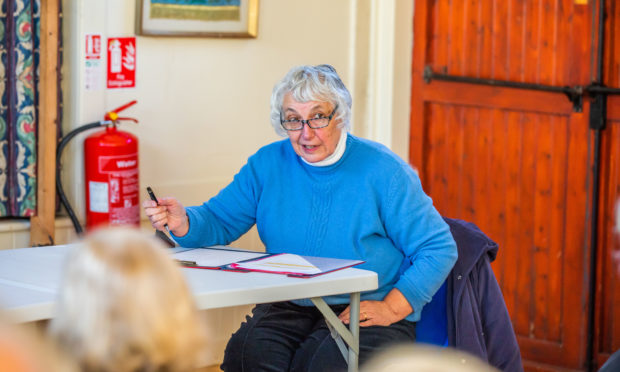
[[425, 358], [125, 306]]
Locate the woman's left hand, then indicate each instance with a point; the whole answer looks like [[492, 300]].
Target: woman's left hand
[[392, 309]]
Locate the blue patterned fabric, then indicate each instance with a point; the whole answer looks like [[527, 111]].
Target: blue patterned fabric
[[19, 51]]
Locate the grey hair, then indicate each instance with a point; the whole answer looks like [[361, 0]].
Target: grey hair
[[124, 306], [312, 83], [425, 358]]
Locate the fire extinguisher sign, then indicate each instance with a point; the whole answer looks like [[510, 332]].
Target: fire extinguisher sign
[[121, 62]]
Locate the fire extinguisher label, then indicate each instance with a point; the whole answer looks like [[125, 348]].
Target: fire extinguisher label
[[121, 163], [98, 196], [122, 190]]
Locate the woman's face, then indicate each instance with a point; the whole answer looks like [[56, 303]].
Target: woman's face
[[311, 144]]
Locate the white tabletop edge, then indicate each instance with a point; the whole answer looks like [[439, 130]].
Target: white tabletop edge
[[231, 289]]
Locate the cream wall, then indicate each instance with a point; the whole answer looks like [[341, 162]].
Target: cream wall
[[203, 103]]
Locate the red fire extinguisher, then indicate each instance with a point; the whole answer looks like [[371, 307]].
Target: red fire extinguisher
[[111, 173]]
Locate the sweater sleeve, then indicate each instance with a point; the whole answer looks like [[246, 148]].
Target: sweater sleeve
[[226, 216], [416, 228]]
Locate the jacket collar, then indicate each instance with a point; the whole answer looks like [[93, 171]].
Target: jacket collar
[[471, 244]]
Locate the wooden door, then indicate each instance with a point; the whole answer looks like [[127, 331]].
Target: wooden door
[[607, 324], [517, 162]]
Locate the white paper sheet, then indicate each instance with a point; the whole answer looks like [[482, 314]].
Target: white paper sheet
[[281, 263], [213, 257]]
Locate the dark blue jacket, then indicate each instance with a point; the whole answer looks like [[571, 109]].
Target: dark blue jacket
[[478, 321]]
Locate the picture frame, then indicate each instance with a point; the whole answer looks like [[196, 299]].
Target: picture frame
[[197, 18]]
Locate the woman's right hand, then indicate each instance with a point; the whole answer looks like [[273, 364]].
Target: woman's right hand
[[169, 211]]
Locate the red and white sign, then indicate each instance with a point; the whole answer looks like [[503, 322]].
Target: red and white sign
[[93, 46], [121, 62], [93, 63]]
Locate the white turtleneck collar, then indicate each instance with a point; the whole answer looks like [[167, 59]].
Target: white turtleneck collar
[[336, 155]]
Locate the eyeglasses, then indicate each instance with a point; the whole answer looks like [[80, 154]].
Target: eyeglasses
[[315, 123]]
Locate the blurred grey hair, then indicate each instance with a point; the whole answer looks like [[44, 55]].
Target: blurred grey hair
[[424, 358], [125, 306], [312, 83]]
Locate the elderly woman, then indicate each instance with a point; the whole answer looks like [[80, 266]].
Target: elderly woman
[[323, 192]]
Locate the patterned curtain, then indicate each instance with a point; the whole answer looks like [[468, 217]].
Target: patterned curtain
[[19, 62]]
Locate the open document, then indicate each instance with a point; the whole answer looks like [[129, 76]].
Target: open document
[[295, 265], [222, 258], [214, 257]]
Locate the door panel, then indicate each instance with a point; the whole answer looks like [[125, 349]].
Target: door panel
[[607, 323], [535, 41], [514, 174], [608, 292], [515, 162]]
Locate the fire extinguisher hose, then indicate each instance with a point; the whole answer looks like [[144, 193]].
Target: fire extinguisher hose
[[61, 193]]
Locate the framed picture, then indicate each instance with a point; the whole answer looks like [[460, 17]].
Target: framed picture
[[202, 18]]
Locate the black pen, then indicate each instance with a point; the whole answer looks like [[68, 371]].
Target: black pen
[[186, 263], [154, 198]]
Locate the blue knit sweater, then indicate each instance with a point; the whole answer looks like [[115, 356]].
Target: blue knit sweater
[[368, 206]]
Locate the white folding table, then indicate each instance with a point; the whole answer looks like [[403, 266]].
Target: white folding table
[[30, 279]]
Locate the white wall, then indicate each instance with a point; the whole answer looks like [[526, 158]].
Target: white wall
[[203, 103]]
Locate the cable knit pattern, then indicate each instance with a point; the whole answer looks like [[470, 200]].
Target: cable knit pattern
[[319, 218], [369, 205]]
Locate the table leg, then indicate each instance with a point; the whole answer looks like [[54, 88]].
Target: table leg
[[354, 327], [340, 332]]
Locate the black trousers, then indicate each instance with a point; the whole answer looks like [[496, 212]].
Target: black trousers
[[283, 336]]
